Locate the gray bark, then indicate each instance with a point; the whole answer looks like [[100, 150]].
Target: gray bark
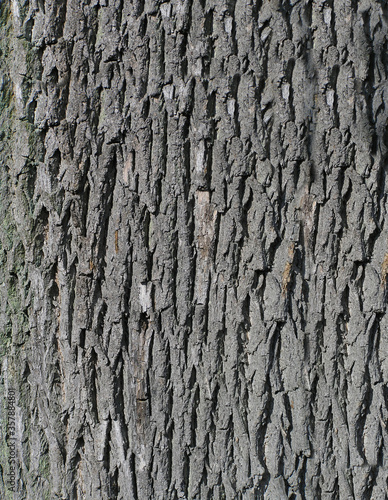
[[193, 248]]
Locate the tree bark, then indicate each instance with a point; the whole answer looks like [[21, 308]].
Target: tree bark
[[193, 248]]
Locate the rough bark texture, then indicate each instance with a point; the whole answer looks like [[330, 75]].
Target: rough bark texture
[[193, 257]]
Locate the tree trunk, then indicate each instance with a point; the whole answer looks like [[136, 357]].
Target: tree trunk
[[193, 249]]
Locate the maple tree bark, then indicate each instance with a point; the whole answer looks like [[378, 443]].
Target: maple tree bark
[[193, 248]]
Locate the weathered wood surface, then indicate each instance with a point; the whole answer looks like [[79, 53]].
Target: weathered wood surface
[[194, 259]]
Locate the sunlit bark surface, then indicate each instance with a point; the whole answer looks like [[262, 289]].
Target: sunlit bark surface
[[193, 248]]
